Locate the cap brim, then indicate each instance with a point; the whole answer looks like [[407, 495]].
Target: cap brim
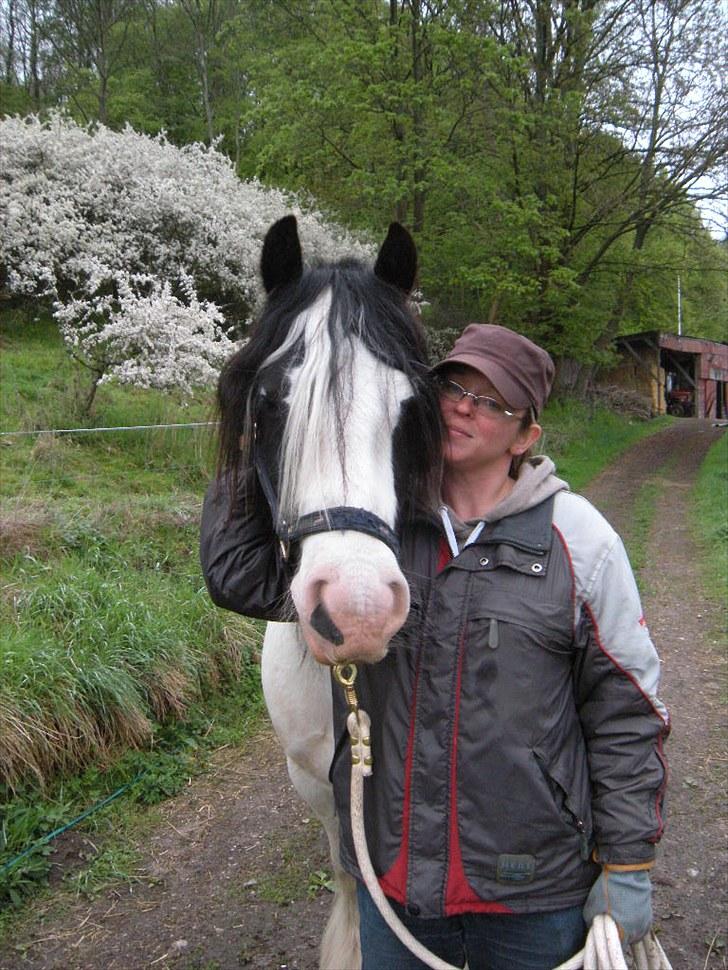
[[501, 380]]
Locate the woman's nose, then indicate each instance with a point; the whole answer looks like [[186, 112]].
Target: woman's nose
[[465, 404]]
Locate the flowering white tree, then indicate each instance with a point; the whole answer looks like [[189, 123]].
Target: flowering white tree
[[147, 253]]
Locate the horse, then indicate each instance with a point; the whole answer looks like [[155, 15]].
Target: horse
[[332, 402]]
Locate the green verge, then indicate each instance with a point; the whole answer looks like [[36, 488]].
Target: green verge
[[710, 520], [583, 440], [115, 668]]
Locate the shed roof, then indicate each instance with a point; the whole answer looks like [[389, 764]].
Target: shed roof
[[674, 341]]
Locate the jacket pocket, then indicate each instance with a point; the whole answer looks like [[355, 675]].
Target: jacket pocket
[[573, 811]]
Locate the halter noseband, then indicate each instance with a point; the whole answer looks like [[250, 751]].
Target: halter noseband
[[339, 518]]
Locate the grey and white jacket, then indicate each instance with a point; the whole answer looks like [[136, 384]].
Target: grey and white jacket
[[517, 734]]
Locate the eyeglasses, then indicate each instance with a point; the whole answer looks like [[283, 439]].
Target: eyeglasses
[[485, 405]]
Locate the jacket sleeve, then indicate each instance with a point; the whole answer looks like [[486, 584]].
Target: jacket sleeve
[[623, 721], [241, 559]]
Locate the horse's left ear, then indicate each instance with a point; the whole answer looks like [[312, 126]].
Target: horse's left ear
[[397, 259], [282, 260]]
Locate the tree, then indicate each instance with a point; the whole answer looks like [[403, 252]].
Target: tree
[[536, 147], [679, 131], [24, 50], [89, 36], [596, 141], [148, 254]]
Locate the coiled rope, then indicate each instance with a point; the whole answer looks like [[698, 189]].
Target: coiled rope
[[603, 949]]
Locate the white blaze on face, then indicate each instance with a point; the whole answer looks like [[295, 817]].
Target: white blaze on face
[[354, 576]]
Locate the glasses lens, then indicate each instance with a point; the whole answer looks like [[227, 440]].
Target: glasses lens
[[488, 405], [450, 389]]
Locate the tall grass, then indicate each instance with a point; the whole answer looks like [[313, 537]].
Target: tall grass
[[108, 639], [95, 651]]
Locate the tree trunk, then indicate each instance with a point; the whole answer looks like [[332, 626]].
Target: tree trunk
[[34, 80], [205, 82], [10, 49]]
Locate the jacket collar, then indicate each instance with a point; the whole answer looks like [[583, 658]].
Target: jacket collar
[[529, 530]]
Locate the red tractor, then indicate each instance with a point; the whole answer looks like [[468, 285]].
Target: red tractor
[[681, 402]]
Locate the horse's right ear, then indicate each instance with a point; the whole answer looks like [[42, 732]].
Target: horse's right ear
[[397, 259], [282, 260]]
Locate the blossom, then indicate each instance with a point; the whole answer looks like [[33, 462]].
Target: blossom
[[147, 253]]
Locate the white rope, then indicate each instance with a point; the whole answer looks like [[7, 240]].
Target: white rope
[[603, 949], [358, 724]]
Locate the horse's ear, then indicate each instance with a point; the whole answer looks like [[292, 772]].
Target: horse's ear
[[281, 261], [397, 259]]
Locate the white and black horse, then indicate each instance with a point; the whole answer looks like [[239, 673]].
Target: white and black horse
[[331, 400]]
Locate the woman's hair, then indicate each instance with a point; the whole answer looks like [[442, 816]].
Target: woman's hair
[[517, 461]]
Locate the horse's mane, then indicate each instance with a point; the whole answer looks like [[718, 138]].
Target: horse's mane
[[361, 306]]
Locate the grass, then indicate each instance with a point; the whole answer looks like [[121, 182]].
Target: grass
[[293, 876], [710, 519], [42, 389], [181, 750], [112, 657], [641, 519], [582, 440]]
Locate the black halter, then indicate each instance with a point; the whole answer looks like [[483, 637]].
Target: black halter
[[339, 518]]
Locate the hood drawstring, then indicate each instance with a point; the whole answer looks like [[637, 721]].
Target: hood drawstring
[[450, 532]]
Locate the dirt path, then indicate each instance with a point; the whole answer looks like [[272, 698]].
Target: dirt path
[[230, 875]]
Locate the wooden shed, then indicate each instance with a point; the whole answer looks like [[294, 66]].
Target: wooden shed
[[686, 376]]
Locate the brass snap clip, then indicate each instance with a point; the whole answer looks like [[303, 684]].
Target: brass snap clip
[[345, 674]]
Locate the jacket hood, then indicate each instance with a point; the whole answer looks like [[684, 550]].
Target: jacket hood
[[536, 482]]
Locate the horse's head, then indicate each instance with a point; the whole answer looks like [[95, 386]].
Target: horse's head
[[332, 392]]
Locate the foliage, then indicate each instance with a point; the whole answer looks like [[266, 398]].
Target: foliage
[[512, 139], [548, 156], [148, 253]]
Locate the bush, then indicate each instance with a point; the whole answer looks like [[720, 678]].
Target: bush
[[147, 253]]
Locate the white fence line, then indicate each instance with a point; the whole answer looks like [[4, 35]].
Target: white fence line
[[130, 427]]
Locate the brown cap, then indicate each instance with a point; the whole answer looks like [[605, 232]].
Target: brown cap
[[520, 370]]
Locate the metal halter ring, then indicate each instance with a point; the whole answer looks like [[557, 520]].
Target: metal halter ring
[[345, 674]]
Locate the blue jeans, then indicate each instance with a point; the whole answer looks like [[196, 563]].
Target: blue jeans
[[532, 941]]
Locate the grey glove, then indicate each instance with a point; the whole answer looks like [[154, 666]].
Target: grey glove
[[625, 893]]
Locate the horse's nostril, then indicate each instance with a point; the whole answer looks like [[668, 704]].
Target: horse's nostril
[[400, 596], [325, 626]]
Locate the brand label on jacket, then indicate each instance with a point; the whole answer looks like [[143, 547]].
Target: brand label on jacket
[[515, 868]]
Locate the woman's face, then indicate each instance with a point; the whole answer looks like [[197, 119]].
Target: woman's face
[[477, 439]]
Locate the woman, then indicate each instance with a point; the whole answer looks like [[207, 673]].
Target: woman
[[519, 775]]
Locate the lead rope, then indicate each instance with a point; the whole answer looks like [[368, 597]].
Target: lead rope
[[603, 950]]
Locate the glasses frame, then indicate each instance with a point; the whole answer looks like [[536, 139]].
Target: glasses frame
[[492, 409]]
